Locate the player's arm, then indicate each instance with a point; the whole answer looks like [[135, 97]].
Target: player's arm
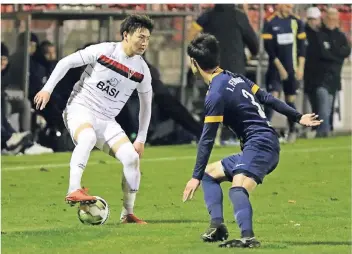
[[276, 104], [79, 58], [301, 45], [270, 44], [214, 109], [145, 94], [249, 36]]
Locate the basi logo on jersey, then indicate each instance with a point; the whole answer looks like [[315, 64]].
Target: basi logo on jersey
[[108, 88]]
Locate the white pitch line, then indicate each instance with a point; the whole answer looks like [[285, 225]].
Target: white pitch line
[[189, 157]]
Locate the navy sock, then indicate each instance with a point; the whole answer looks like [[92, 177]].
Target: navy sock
[[242, 210], [213, 198], [268, 112], [291, 124]]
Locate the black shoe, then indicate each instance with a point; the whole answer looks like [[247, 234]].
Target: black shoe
[[214, 234], [241, 243]]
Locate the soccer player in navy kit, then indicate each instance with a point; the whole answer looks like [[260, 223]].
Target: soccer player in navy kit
[[235, 101], [284, 42]]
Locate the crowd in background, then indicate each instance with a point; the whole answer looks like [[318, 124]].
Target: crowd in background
[[326, 47]]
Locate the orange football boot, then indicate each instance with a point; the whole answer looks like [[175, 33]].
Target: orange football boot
[[80, 195], [131, 218]]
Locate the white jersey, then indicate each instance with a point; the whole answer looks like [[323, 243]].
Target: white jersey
[[108, 80]]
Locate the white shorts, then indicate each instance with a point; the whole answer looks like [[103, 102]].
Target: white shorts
[[108, 132]]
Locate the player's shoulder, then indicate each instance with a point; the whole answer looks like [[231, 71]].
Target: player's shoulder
[[296, 17], [102, 47], [145, 67]]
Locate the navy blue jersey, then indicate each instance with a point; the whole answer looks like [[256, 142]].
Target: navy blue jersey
[[236, 101], [284, 38]]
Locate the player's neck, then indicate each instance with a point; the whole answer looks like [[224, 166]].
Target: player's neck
[[127, 49], [209, 75], [283, 14]]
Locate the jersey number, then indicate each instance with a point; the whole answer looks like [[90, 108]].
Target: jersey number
[[260, 110]]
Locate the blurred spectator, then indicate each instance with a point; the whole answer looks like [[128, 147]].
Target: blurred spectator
[[231, 27], [15, 143], [11, 102], [335, 42], [284, 41], [37, 75], [47, 56], [313, 55]]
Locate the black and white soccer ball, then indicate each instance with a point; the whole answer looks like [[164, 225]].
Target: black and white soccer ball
[[94, 214]]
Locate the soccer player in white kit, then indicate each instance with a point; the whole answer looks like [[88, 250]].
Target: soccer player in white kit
[[114, 70]]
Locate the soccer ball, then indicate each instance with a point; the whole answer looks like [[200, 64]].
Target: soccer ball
[[94, 214]]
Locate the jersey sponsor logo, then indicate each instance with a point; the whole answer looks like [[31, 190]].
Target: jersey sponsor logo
[[285, 39], [108, 89], [120, 69], [113, 82]]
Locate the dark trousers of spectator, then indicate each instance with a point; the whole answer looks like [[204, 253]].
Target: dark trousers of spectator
[[322, 103], [333, 111], [6, 128], [23, 107]]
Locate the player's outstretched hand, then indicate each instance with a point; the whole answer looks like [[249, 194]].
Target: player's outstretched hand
[[310, 120], [41, 99], [191, 187], [139, 147]]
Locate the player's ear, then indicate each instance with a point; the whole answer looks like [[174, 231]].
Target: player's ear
[[125, 36]]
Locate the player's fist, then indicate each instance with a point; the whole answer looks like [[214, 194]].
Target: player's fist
[[191, 187], [310, 120], [41, 99], [299, 75], [139, 147], [283, 74]]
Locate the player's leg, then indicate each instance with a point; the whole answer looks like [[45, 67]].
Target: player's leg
[[213, 198], [242, 185], [114, 141], [290, 88], [252, 166], [80, 125]]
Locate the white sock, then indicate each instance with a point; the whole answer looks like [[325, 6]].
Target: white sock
[[128, 198], [80, 155], [131, 176]]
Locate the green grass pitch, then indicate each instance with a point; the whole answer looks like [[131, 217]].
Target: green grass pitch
[[304, 206]]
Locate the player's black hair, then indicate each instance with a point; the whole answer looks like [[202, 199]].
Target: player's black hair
[[205, 50], [134, 22]]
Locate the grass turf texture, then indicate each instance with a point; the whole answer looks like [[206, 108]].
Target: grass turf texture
[[304, 206]]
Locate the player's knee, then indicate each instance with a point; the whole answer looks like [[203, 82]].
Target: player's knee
[[128, 156], [244, 181], [87, 138], [215, 170]]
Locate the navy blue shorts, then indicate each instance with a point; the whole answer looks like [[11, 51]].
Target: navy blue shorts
[[289, 86], [252, 162]]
